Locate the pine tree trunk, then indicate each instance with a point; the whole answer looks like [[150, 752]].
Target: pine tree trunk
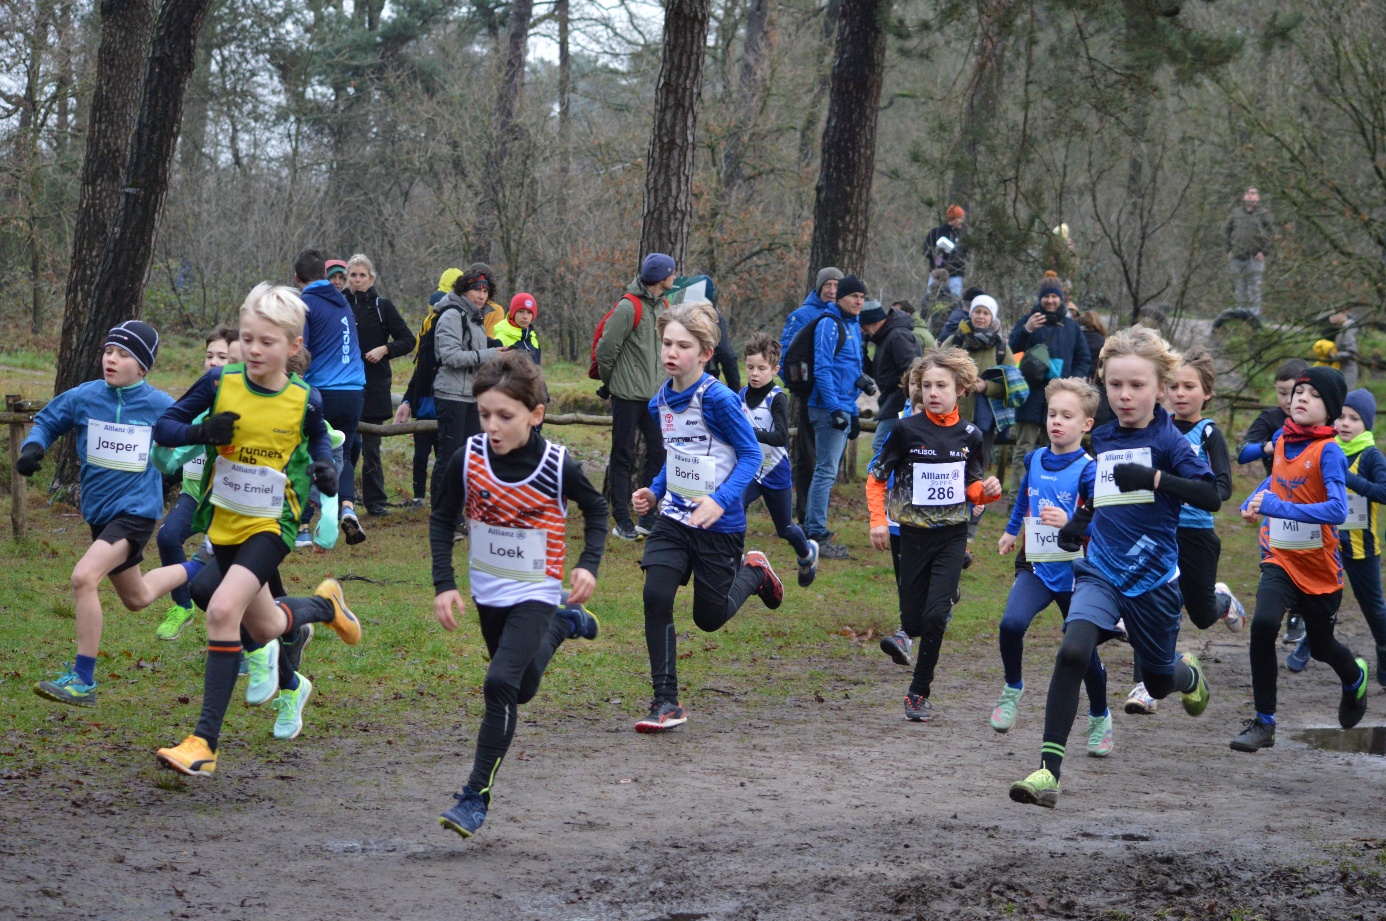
[[750, 95], [668, 212], [842, 208], [565, 127], [493, 176], [981, 109]]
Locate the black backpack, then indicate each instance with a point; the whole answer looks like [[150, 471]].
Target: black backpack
[[425, 358], [796, 365]]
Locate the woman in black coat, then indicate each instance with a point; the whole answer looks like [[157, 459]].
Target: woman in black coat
[[384, 335]]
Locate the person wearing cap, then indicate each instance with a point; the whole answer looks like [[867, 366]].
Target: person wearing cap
[[517, 329], [892, 334], [493, 312], [122, 492], [1064, 354], [629, 365], [337, 274], [802, 455], [945, 249]]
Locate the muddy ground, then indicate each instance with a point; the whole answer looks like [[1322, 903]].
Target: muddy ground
[[832, 809]]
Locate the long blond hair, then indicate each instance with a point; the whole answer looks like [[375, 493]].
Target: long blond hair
[[951, 359], [1143, 342]]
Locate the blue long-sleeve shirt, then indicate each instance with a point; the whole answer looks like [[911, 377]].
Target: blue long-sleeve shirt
[[1333, 464], [173, 428], [332, 339]]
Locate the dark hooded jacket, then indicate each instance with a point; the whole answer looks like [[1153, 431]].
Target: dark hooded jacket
[[895, 349]]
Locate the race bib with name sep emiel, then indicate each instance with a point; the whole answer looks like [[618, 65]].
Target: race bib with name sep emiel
[[256, 492]]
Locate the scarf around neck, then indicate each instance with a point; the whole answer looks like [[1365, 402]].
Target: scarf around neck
[[1357, 445], [1294, 433]]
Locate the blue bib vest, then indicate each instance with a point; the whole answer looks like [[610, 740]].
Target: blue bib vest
[[1058, 488], [1190, 517]]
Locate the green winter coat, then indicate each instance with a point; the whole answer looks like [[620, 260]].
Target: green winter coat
[[628, 355]]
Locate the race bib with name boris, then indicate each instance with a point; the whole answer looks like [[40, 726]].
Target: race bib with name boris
[[519, 554], [118, 446], [1294, 535], [691, 476], [1042, 544], [1359, 516], [939, 484], [1105, 492], [256, 492]]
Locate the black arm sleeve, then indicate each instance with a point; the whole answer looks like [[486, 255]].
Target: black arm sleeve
[[447, 506], [1216, 447], [400, 336], [778, 437], [1201, 494], [577, 488]]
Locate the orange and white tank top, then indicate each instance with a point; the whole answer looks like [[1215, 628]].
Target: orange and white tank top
[[516, 529]]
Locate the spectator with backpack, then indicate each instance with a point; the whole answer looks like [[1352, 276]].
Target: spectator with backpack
[[418, 396], [892, 332], [460, 347], [625, 356], [802, 454]]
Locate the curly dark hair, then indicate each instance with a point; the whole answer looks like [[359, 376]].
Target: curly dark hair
[[471, 280]]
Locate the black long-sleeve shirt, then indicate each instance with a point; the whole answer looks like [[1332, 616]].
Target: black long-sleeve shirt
[[514, 467], [1215, 449], [777, 437], [1258, 433]]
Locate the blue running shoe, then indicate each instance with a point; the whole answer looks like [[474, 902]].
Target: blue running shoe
[[68, 688], [583, 623], [467, 816], [1298, 659]]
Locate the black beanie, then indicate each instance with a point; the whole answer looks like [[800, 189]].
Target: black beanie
[[1331, 387], [850, 285], [140, 340]]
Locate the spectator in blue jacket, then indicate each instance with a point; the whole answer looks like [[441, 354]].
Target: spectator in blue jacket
[[337, 372], [802, 455], [1048, 325], [832, 407]]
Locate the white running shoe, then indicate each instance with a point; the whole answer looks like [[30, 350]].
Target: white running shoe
[[1138, 701], [1236, 613]]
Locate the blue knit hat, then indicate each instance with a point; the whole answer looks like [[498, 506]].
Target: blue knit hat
[[656, 267], [1364, 404]]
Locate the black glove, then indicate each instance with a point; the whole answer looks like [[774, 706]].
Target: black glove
[[841, 420], [603, 392], [855, 430], [1071, 534], [1131, 477], [214, 430], [325, 477], [28, 462], [867, 385]]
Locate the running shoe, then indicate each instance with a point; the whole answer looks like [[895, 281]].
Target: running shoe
[[343, 621], [897, 646], [1195, 701], [1100, 735], [68, 688], [1041, 788], [242, 668], [377, 511], [664, 715], [1353, 705], [292, 649], [175, 619], [351, 527], [416, 502], [262, 682], [466, 815], [192, 756], [644, 526], [1003, 716], [1140, 701], [1298, 659], [808, 566], [918, 709], [1255, 735], [289, 723], [304, 539], [625, 531], [1236, 613], [827, 550], [771, 589], [967, 559], [582, 623], [1294, 631]]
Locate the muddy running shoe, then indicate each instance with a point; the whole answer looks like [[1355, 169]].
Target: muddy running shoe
[[808, 566], [1255, 735], [771, 589], [664, 715], [1235, 615], [175, 619], [918, 709], [416, 502], [289, 723], [625, 531], [1294, 631], [343, 621], [466, 815], [304, 539], [827, 550], [1041, 788], [68, 688], [1298, 659], [1195, 701], [1353, 705], [646, 524], [1120, 630], [1140, 701], [1100, 735], [1003, 716], [582, 623], [292, 648], [351, 527], [192, 756], [262, 680], [897, 646]]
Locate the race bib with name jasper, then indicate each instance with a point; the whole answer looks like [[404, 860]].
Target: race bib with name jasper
[[118, 446], [1359, 514]]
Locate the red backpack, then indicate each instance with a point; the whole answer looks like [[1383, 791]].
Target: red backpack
[[597, 334]]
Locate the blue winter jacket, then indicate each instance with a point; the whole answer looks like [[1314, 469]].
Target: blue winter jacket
[[331, 338], [1068, 357], [107, 494], [835, 373], [802, 316]]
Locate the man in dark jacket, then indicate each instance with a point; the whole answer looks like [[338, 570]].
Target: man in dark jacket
[[384, 335], [1047, 325], [892, 334], [1248, 231], [944, 248]]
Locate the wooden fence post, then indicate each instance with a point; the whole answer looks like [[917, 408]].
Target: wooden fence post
[[19, 486]]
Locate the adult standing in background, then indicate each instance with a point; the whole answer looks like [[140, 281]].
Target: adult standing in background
[[336, 371], [460, 346], [418, 396], [491, 312], [1249, 230], [945, 248], [1095, 334], [960, 313], [802, 456], [384, 336], [336, 273], [892, 333]]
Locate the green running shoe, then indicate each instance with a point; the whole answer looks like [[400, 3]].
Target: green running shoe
[[67, 688], [1040, 788], [1100, 735], [1353, 705], [1195, 701], [262, 674], [289, 723], [1003, 717], [175, 619]]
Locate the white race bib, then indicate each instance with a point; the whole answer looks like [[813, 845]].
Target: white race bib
[[769, 459], [1042, 544], [509, 553], [939, 484], [192, 470], [1294, 535], [117, 446], [691, 476], [256, 492], [1359, 515], [1105, 492]]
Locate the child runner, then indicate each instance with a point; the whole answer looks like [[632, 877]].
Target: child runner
[[514, 487], [768, 409], [937, 461], [1304, 500], [1145, 470], [122, 493], [271, 442], [1206, 599], [1360, 536], [711, 457], [1055, 476]]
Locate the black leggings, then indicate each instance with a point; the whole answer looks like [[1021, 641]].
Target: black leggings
[[425, 443], [1199, 551], [1276, 594], [931, 561], [712, 608]]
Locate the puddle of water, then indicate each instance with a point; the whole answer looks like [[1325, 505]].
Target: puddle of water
[[1362, 740]]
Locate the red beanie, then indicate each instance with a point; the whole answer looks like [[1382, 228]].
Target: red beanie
[[522, 301], [954, 211]]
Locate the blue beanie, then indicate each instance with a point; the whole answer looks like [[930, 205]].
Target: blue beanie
[[138, 338], [1364, 404], [656, 267], [1051, 286]]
